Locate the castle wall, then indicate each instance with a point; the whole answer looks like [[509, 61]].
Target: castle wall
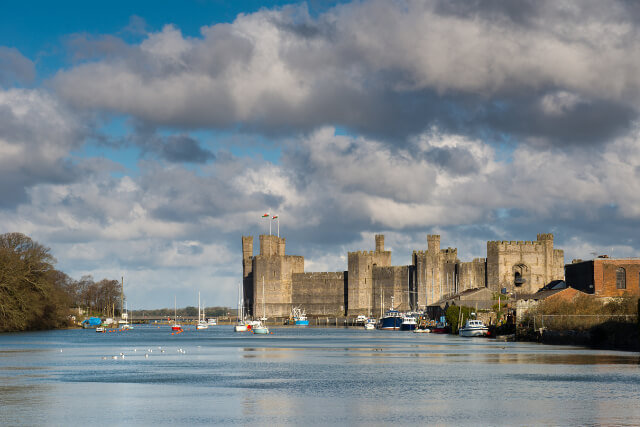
[[523, 266], [472, 275], [320, 294], [390, 282]]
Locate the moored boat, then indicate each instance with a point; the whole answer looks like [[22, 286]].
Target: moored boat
[[408, 323], [260, 329], [474, 328], [391, 320], [299, 317]]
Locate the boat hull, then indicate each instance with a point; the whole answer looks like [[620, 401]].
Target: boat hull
[[475, 332], [390, 323], [301, 323], [260, 331], [408, 326], [240, 328]]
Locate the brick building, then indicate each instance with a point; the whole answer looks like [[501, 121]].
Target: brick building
[[605, 277]]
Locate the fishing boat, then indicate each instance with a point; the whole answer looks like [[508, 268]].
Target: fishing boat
[[240, 326], [176, 326], [202, 324], [299, 317], [361, 319], [408, 323], [212, 321], [474, 328], [391, 320]]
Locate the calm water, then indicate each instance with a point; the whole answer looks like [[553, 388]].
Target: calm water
[[312, 376]]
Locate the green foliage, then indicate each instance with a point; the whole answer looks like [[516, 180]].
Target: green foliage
[[453, 316]]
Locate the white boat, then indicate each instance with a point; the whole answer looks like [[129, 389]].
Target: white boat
[[100, 329], [123, 323], [474, 328], [240, 326], [361, 319], [212, 321], [202, 324], [422, 331], [408, 323], [369, 323], [261, 328]]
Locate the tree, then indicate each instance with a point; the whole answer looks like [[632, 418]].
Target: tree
[[26, 283]]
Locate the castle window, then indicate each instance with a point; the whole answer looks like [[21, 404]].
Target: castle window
[[517, 279], [621, 278]]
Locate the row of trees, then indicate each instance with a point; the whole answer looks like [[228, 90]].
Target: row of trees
[[34, 295]]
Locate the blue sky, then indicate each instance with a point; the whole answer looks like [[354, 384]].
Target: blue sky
[[142, 139]]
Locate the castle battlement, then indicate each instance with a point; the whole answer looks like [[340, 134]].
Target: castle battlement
[[367, 253]]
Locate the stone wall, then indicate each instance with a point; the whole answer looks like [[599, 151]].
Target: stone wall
[[472, 275], [320, 294], [390, 282]]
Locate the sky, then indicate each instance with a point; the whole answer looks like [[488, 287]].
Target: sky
[[143, 139]]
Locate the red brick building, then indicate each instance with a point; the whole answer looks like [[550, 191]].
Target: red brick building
[[605, 277]]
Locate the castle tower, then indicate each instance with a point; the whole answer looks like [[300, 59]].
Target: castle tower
[[247, 272], [360, 295], [523, 267], [272, 272]]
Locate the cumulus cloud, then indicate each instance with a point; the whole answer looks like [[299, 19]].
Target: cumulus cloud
[[36, 135], [15, 67], [384, 68]]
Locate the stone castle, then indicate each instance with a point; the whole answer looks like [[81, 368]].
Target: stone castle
[[274, 282]]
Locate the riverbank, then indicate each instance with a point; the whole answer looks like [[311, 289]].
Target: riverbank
[[606, 336]]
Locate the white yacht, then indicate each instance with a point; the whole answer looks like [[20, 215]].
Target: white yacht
[[474, 328]]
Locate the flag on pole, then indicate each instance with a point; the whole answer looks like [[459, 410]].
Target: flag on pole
[[275, 216], [265, 215]]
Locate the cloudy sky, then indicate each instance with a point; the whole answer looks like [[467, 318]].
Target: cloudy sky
[[143, 139]]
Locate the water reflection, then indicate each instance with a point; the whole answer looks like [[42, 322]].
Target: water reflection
[[313, 377]]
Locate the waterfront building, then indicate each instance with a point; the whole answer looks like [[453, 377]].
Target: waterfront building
[[604, 276]]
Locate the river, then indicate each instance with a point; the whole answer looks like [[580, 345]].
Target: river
[[308, 376]]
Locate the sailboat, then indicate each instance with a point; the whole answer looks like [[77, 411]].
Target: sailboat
[[240, 326], [261, 328], [202, 324], [124, 316], [176, 326]]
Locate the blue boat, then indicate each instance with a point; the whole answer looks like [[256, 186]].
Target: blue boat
[[92, 322], [299, 317], [391, 321]]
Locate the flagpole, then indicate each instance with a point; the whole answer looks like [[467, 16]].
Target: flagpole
[[278, 226]]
